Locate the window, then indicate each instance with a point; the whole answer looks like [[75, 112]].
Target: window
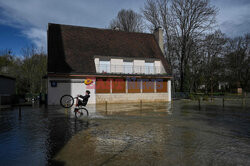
[[128, 67], [104, 67], [149, 68]]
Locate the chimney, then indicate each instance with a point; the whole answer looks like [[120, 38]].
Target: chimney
[[158, 33]]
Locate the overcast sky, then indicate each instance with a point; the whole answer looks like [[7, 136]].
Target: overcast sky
[[24, 22]]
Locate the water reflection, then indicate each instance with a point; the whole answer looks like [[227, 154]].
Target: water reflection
[[161, 135], [36, 137], [175, 133], [135, 109]]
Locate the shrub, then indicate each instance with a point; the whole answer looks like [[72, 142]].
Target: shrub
[[192, 96], [205, 97]]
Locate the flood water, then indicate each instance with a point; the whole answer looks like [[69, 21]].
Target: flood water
[[176, 133]]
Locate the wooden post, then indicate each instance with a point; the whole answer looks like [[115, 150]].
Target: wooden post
[[106, 106], [140, 104], [211, 97], [245, 96], [242, 101], [19, 112], [46, 100], [40, 99], [199, 102], [223, 101]]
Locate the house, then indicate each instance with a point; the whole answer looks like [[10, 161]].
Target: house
[[7, 89], [115, 66]]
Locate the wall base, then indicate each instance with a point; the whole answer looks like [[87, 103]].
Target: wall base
[[131, 97]]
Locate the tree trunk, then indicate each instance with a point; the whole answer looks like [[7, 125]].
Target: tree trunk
[[182, 68]]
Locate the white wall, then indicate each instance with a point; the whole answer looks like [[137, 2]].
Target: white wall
[[139, 66], [159, 67], [73, 89], [169, 91], [131, 97], [116, 65], [97, 63]]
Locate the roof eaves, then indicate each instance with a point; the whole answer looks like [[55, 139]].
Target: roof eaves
[[8, 77]]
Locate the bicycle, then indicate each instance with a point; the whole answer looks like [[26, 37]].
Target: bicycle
[[67, 101]]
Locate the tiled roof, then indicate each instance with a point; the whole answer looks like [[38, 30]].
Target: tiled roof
[[7, 77], [71, 49]]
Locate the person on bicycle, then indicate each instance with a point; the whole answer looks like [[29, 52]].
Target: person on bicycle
[[83, 100]]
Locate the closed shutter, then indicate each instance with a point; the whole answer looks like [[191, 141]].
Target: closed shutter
[[102, 85], [118, 86], [161, 86], [148, 86], [134, 86]]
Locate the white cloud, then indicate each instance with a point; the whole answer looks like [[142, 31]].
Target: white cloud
[[33, 16], [38, 36], [234, 16]]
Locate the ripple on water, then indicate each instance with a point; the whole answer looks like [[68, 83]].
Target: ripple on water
[[151, 134]]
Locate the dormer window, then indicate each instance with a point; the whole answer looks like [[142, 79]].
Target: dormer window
[[128, 67], [149, 68], [104, 66]]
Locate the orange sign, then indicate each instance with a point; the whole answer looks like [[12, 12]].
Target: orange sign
[[88, 81]]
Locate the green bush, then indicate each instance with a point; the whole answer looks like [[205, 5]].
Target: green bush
[[205, 97], [192, 96]]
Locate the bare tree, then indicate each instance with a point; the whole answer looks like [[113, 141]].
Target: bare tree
[[157, 13], [237, 62], [127, 20], [28, 69], [33, 68], [213, 50], [184, 22], [6, 61]]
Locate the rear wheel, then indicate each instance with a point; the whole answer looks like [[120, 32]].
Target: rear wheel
[[81, 112], [67, 101]]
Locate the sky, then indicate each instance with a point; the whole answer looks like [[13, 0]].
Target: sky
[[24, 22]]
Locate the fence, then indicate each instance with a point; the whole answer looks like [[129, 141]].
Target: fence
[[180, 95], [128, 69], [223, 99], [226, 99]]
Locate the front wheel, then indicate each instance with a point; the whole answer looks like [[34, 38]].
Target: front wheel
[[67, 101]]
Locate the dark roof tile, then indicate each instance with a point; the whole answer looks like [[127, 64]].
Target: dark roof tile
[[71, 49]]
